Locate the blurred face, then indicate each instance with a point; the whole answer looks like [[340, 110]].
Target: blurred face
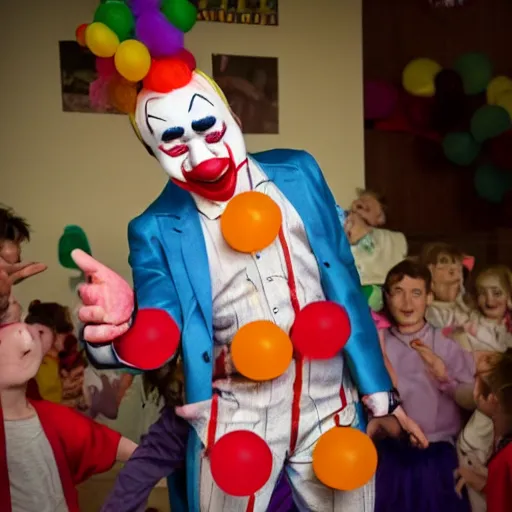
[[446, 271], [10, 252], [487, 405], [407, 303], [195, 138], [20, 354], [492, 298], [370, 209], [47, 337]]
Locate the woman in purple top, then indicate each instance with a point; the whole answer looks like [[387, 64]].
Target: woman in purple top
[[162, 452], [410, 479]]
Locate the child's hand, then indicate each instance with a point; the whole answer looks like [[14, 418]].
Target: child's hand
[[433, 363], [467, 476], [17, 272]]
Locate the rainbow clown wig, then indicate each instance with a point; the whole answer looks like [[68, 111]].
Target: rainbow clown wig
[[138, 44]]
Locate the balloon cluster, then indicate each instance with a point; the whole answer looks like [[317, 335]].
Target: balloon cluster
[[134, 41], [465, 108]]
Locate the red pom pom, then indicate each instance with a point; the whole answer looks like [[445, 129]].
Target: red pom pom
[[80, 34], [168, 74], [187, 58], [151, 341]]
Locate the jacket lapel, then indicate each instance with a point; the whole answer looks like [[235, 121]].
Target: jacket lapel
[[292, 183], [186, 252]]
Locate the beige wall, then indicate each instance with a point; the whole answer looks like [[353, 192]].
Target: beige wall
[[88, 169]]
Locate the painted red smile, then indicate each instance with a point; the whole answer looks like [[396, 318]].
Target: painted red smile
[[214, 179]]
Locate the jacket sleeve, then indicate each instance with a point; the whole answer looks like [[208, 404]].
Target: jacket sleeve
[[362, 351], [161, 451], [90, 447], [152, 281]]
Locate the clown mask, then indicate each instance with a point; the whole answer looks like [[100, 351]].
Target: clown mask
[[21, 353], [194, 136]]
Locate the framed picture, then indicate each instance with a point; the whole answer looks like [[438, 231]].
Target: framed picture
[[248, 12], [251, 87], [77, 72]]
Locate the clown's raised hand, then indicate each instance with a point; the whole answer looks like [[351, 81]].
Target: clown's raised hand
[[146, 343], [108, 300]]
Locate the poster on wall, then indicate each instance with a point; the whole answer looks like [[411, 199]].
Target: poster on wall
[[247, 12], [251, 87], [77, 72]]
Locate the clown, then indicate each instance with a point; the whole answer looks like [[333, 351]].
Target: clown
[[193, 289]]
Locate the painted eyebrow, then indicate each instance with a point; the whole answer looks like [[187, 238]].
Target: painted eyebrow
[[201, 97], [148, 116]]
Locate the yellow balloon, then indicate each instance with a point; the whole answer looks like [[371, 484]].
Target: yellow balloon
[[496, 87], [418, 77], [102, 41], [132, 60], [504, 100]]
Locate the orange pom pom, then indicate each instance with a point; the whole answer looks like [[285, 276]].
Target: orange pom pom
[[168, 74]]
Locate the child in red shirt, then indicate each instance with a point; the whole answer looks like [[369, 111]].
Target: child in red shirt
[[493, 397], [46, 449]]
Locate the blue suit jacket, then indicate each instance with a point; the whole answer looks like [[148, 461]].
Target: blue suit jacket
[[170, 271]]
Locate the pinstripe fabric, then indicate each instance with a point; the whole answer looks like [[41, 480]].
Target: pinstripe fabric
[[246, 288]]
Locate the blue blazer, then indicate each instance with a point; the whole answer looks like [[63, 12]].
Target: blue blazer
[[170, 271]]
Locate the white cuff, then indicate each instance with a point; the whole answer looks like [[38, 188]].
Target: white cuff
[[378, 403]]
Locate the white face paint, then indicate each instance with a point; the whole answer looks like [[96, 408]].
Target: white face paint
[[195, 138]]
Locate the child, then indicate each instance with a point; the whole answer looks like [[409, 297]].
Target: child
[[409, 479], [486, 319], [375, 250], [46, 449], [493, 396], [445, 263], [14, 231], [54, 324]]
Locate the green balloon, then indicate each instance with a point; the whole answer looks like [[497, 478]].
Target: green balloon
[[488, 122], [367, 291], [118, 17], [491, 183], [476, 72], [73, 238], [460, 148], [181, 13], [373, 295]]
